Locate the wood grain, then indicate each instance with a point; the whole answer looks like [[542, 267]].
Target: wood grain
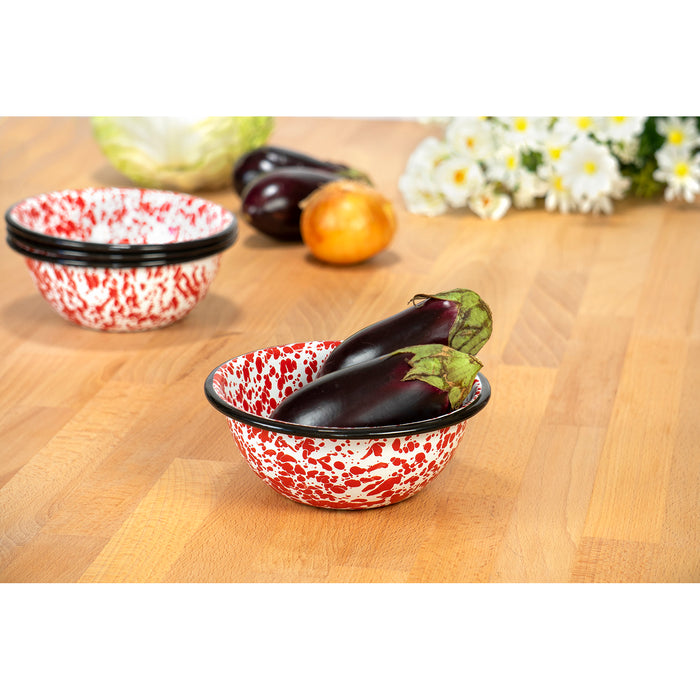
[[585, 467]]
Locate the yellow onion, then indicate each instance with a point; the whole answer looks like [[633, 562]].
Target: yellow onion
[[346, 222]]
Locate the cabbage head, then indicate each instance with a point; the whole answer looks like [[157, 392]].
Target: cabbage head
[[185, 154]]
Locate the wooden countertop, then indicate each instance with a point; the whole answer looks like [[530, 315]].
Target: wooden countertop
[[584, 467]]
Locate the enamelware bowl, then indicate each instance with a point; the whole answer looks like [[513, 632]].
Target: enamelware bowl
[[338, 468], [124, 298], [120, 220], [121, 259]]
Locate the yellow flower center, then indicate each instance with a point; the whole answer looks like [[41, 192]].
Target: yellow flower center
[[675, 136], [520, 124], [558, 185], [469, 141], [555, 153], [584, 123], [589, 167], [511, 162], [618, 120], [681, 169], [460, 175]]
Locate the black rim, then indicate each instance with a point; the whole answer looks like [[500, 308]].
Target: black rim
[[49, 244], [62, 257], [227, 234], [471, 408]]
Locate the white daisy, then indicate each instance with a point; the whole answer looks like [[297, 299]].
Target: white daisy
[[427, 154], [552, 146], [680, 170], [470, 136], [557, 197], [602, 203], [525, 132], [678, 131], [619, 129], [489, 204], [530, 188], [457, 178], [504, 166], [421, 194], [568, 128], [587, 169], [417, 184]]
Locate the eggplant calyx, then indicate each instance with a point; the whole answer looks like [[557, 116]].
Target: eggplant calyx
[[445, 368], [353, 174], [473, 324]]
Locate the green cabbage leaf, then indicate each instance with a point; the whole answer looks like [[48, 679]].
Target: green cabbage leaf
[[185, 154]]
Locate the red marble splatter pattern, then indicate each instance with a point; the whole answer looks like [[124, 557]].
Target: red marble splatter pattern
[[124, 299], [122, 215], [322, 472]]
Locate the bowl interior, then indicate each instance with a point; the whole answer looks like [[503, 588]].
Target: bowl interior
[[257, 382], [120, 216], [249, 387]]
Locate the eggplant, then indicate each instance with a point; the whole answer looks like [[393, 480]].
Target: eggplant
[[459, 318], [266, 159], [411, 384], [270, 203]]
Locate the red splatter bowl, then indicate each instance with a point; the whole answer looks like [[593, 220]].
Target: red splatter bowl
[[339, 468], [126, 298], [122, 221], [121, 259]]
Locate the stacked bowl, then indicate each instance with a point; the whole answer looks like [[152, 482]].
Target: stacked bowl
[[121, 259]]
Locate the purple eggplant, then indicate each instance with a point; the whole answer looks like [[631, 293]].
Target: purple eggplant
[[266, 159], [410, 384], [270, 203], [458, 318]]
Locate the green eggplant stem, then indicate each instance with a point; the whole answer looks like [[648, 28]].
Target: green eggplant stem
[[443, 367], [353, 174], [474, 323]]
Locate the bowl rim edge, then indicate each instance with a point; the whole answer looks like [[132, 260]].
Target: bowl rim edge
[[229, 232], [470, 409], [73, 259]]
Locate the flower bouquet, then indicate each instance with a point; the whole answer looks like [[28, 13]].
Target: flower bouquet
[[488, 164]]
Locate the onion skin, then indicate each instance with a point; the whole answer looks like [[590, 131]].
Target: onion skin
[[458, 318], [411, 384], [271, 202], [266, 159], [347, 222]]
